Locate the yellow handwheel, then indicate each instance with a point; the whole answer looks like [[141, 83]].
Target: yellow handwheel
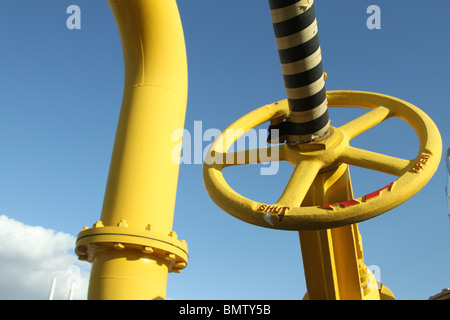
[[323, 155]]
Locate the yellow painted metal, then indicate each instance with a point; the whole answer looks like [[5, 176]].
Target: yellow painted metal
[[324, 155], [318, 199], [333, 258], [132, 247]]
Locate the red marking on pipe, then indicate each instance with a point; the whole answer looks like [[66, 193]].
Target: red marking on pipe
[[274, 209], [420, 163], [353, 202], [349, 203], [345, 204], [378, 192]]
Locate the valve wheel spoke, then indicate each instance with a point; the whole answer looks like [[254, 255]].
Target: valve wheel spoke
[[375, 161], [365, 122], [301, 180], [251, 156]]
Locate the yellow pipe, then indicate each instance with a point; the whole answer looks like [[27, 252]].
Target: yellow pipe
[[133, 248]]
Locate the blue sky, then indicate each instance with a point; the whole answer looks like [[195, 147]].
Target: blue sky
[[61, 93]]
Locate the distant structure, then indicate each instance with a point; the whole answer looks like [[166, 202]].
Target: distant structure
[[447, 160], [53, 286], [443, 295], [52, 289]]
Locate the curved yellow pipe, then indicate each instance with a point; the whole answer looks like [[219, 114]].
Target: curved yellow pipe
[[142, 174], [133, 247]]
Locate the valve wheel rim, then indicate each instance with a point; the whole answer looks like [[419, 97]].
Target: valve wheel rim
[[311, 159]]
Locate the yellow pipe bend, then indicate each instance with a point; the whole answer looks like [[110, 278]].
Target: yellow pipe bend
[[133, 247]]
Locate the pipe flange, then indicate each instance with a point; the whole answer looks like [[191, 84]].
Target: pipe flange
[[122, 237]]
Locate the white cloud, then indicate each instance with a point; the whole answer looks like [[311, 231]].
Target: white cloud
[[31, 256]]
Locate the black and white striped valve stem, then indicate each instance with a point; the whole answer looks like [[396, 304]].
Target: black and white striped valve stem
[[295, 27]]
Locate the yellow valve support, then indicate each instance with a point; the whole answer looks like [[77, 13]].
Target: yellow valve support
[[132, 248], [318, 200]]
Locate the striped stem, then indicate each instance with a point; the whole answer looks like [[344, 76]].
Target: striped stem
[[295, 27]]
